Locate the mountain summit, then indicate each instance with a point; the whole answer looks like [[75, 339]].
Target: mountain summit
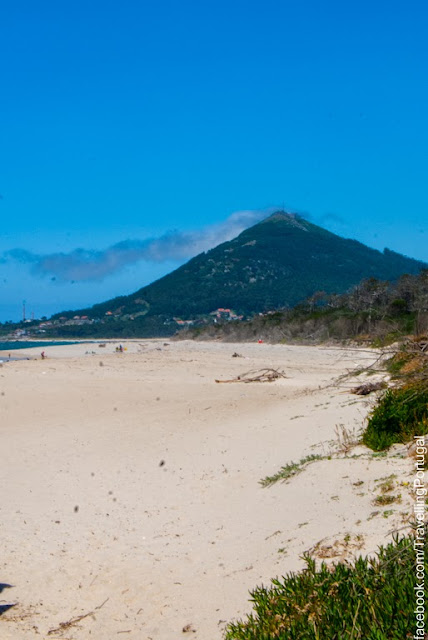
[[278, 262]]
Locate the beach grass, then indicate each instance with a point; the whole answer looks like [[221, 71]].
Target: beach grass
[[290, 470]]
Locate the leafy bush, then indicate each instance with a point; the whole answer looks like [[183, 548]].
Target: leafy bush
[[371, 600], [400, 414]]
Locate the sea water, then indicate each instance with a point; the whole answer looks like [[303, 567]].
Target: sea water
[[18, 344]]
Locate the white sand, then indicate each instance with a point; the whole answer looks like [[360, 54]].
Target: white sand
[[88, 513]]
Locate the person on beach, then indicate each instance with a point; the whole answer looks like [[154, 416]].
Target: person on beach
[[43, 355]]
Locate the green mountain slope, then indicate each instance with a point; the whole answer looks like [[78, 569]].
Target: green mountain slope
[[276, 263]]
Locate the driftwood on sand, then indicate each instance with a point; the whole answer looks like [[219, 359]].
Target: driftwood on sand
[[368, 387], [63, 626], [257, 375]]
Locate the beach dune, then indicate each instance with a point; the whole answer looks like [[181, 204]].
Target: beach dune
[[130, 483]]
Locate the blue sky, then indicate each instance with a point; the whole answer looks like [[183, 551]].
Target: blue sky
[[138, 129]]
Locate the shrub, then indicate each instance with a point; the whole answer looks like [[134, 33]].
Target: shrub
[[371, 600], [400, 414], [386, 340], [395, 364]]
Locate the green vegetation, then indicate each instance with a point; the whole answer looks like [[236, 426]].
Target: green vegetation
[[367, 313], [387, 484], [117, 327], [400, 414], [291, 469], [381, 501], [373, 599], [397, 362]]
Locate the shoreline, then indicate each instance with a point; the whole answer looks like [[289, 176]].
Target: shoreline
[[64, 349]]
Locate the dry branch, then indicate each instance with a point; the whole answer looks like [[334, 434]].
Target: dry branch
[[377, 366], [73, 621], [420, 346], [256, 375]]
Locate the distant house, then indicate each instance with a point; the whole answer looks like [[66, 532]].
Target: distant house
[[224, 314], [183, 323]]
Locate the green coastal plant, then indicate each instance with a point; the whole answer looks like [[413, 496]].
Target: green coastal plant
[[384, 500], [373, 599], [400, 414], [291, 469]]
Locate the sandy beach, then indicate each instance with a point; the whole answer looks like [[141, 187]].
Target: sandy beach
[[130, 483]]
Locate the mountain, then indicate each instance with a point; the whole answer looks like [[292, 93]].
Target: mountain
[[276, 263]]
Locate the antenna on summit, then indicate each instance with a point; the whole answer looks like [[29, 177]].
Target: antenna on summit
[[23, 311]]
